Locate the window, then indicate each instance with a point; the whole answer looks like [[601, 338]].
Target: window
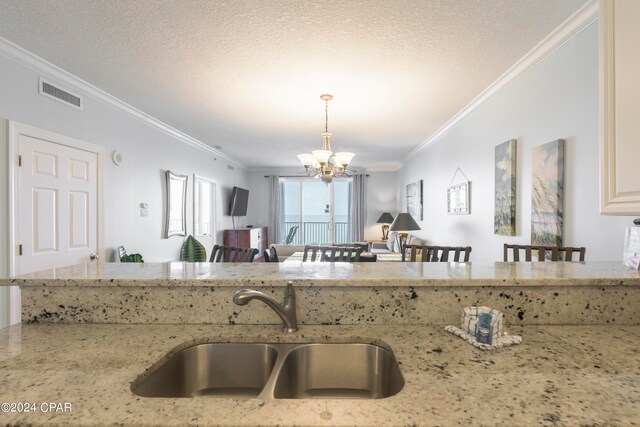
[[312, 211]]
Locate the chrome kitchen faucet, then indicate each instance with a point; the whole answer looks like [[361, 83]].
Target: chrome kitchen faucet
[[286, 311]]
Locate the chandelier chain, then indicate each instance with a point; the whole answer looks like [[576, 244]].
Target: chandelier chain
[[326, 116]]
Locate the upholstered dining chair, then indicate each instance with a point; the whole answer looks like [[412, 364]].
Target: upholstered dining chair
[[331, 253], [222, 253], [544, 253], [429, 253]]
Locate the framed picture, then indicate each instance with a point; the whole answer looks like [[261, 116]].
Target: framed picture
[[547, 220], [504, 214], [414, 200], [458, 197]]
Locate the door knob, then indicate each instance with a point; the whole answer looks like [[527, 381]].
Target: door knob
[[94, 256]]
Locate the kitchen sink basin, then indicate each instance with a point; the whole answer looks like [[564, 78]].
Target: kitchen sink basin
[[226, 370], [275, 371], [360, 371]]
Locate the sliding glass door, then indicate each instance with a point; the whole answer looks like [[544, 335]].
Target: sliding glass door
[[314, 212]]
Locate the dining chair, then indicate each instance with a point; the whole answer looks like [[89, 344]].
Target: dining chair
[[429, 253], [544, 253], [270, 254], [222, 253], [331, 253]]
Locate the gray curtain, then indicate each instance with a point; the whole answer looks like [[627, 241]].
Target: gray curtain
[[274, 209], [358, 207]]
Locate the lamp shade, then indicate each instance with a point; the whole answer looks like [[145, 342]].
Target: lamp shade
[[322, 156], [306, 159], [385, 218], [404, 222], [344, 158]]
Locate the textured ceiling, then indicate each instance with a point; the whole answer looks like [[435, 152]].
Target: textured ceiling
[[247, 75]]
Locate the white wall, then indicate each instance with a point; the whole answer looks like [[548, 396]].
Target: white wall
[[382, 197], [259, 193], [558, 99], [147, 152]]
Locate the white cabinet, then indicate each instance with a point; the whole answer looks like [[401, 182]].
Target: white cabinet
[[620, 107], [256, 237]]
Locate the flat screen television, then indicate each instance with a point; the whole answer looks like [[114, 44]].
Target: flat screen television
[[239, 202]]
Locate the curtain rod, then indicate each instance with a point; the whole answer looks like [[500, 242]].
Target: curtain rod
[[296, 176]]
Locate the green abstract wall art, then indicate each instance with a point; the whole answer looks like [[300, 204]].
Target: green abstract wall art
[[504, 218], [547, 187]]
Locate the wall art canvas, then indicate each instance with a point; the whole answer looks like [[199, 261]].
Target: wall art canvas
[[414, 200], [504, 217], [547, 186]]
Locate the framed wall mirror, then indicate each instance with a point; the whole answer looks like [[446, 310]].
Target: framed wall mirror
[[176, 209]]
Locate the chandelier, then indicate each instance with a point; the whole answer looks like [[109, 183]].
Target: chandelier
[[325, 164]]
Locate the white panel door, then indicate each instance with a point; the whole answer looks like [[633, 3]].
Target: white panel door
[[57, 205]]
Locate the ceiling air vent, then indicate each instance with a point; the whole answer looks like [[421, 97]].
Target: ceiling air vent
[[50, 90]]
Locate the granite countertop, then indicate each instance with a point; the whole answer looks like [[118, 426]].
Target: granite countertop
[[560, 375], [335, 274]]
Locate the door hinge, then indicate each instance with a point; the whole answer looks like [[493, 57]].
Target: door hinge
[[19, 161], [20, 250]]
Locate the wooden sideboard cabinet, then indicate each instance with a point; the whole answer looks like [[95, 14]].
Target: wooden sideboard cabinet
[[619, 107], [255, 237]]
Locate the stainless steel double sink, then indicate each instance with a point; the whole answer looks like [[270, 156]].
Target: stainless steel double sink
[[275, 371]]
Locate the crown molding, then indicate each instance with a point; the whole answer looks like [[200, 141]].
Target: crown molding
[[47, 69], [570, 28]]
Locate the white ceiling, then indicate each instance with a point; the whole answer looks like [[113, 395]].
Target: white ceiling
[[246, 75]]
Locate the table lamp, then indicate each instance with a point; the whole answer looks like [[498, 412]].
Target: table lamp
[[404, 223], [385, 219]]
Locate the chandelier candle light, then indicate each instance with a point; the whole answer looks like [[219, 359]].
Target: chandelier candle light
[[325, 164]]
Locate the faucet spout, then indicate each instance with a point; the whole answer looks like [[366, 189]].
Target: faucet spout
[[286, 311]]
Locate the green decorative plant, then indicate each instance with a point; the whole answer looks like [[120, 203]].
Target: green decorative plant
[[132, 258], [193, 251]]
